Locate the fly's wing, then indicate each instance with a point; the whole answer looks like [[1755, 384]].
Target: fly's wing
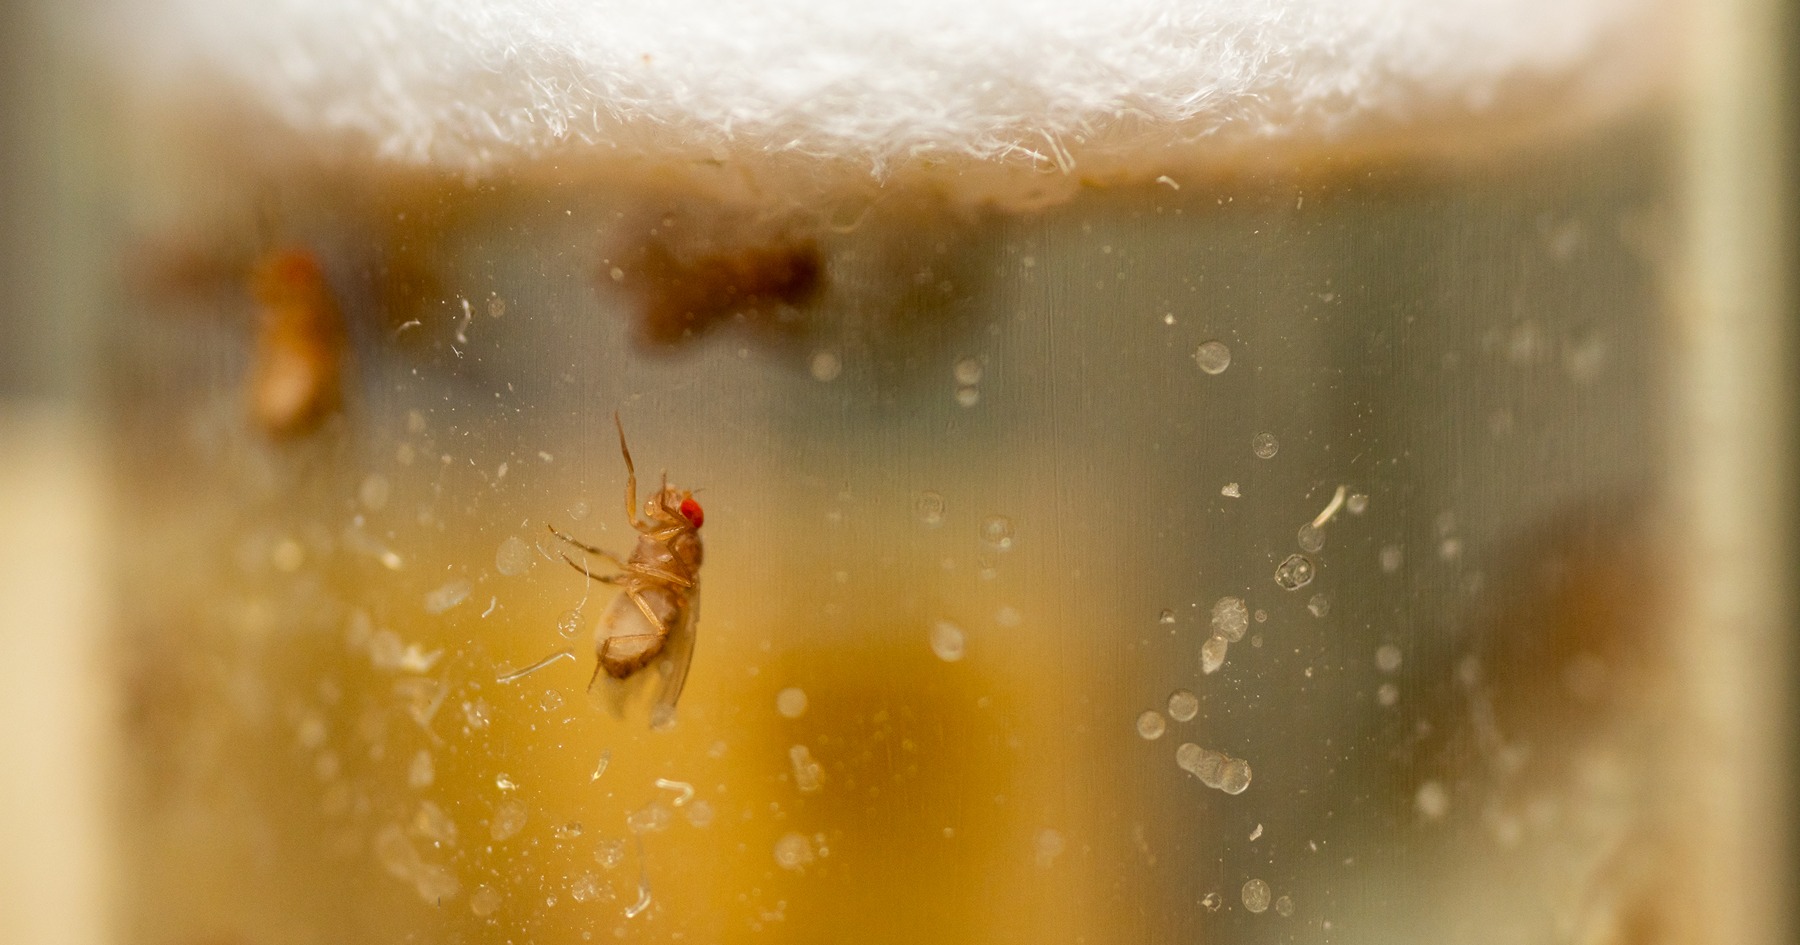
[[677, 654]]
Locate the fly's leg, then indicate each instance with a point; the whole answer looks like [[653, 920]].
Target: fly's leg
[[631, 510], [668, 577], [637, 597], [590, 549], [602, 578]]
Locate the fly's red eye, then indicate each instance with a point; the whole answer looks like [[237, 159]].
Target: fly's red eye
[[691, 509]]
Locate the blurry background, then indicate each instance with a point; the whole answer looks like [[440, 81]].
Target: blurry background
[[52, 700]]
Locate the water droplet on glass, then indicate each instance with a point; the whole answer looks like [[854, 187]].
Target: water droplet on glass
[[1284, 907], [650, 818], [793, 851], [1357, 504], [1264, 445], [1432, 801], [809, 775], [1166, 617], [509, 819], [484, 901], [1387, 658], [1318, 605], [584, 888], [1212, 902], [288, 556], [1230, 491], [513, 557], [1183, 705], [551, 701], [968, 396], [997, 532], [1450, 549], [1150, 725], [968, 371], [1048, 846], [569, 623], [447, 596], [1234, 777], [700, 814], [1311, 538], [610, 854], [569, 831], [1213, 357], [421, 772], [1294, 573], [929, 507], [1387, 694], [1391, 559], [1256, 895], [791, 702], [826, 366], [578, 511], [1212, 654], [374, 491], [1230, 618], [947, 641]]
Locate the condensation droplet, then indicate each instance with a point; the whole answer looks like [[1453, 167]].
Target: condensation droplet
[[1357, 504], [1183, 705], [968, 371], [432, 823], [700, 814], [826, 366], [585, 887], [1318, 605], [1432, 801], [997, 532], [1150, 725], [476, 714], [1234, 777], [1047, 847], [578, 511], [508, 820], [484, 901], [1256, 895], [1230, 491], [447, 596], [610, 853], [793, 851], [513, 557], [809, 775], [1284, 907], [1387, 694], [650, 818], [1212, 654], [1387, 658], [551, 701], [1230, 618], [1311, 538], [1212, 902], [968, 396], [1264, 446], [569, 624], [421, 772], [791, 702], [374, 492], [929, 507], [1213, 357], [947, 641], [1294, 573], [1391, 558]]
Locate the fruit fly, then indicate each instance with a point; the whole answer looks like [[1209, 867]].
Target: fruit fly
[[660, 600], [299, 345]]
